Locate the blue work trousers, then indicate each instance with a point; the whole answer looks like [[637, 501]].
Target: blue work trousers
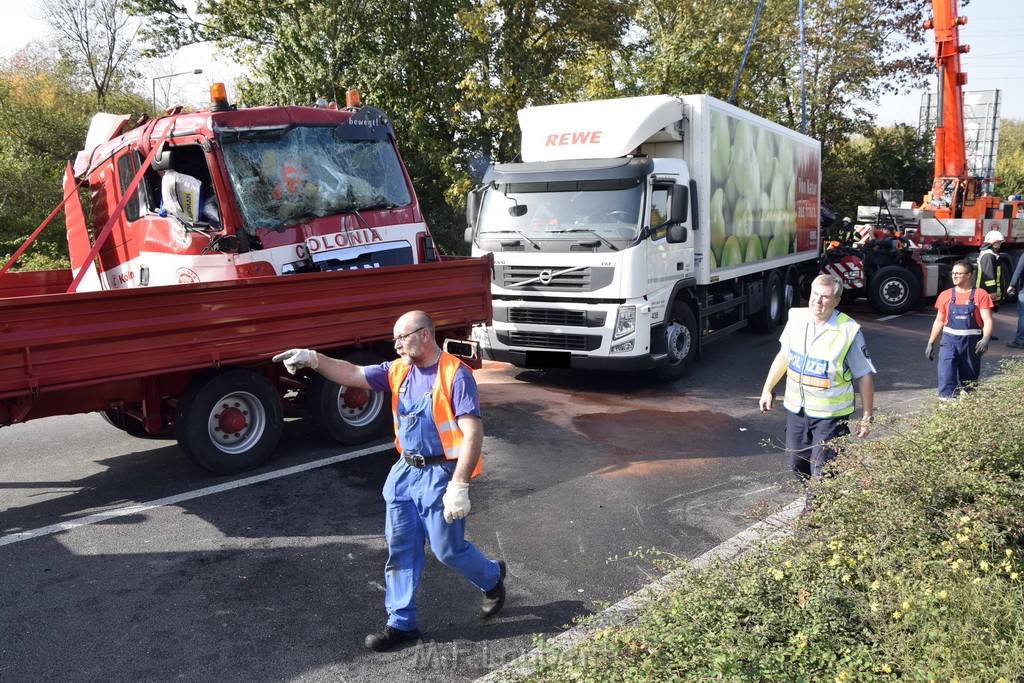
[[1019, 337], [807, 442], [415, 513], [959, 365]]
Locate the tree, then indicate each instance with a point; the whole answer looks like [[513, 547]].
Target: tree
[[885, 157], [44, 116], [98, 38], [1010, 158], [854, 52]]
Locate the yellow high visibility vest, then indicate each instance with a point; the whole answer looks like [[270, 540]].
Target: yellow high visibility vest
[[816, 379]]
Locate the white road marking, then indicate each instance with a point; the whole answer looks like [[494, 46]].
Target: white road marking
[[182, 497]]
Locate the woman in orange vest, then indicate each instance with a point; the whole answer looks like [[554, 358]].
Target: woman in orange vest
[[438, 433]]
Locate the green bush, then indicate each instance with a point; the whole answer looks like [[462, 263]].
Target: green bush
[[909, 568]]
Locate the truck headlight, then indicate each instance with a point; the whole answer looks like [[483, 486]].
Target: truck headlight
[[625, 322]]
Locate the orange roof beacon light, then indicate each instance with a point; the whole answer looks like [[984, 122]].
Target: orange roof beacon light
[[352, 99], [219, 97]]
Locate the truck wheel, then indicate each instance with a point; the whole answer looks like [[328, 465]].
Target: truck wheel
[[349, 415], [770, 317], [131, 426], [229, 422], [893, 290], [681, 343], [791, 293]]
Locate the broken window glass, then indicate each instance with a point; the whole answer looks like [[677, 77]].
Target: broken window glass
[[290, 175]]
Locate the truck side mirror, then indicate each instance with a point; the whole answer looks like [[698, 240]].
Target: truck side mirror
[[679, 204], [468, 236], [162, 159], [472, 210]]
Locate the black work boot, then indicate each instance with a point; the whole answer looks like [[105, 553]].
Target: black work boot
[[495, 598], [389, 637]]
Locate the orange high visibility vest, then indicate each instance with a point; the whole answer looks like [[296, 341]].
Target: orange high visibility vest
[[441, 404]]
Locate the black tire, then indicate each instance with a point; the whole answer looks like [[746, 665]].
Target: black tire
[[131, 426], [349, 415], [771, 316], [681, 342], [229, 422], [791, 293], [893, 290]]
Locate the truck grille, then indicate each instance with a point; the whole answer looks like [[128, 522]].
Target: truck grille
[[550, 342], [553, 278], [549, 316]]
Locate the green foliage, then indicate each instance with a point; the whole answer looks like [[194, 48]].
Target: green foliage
[[909, 568], [1010, 158], [44, 116], [885, 157]]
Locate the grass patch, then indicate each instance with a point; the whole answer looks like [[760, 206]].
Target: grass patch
[[909, 568]]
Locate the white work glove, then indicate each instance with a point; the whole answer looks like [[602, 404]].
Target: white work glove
[[982, 346], [296, 359], [456, 501]]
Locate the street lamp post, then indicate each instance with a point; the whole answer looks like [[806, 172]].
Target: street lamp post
[[157, 78]]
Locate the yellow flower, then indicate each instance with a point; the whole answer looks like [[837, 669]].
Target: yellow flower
[[943, 595], [1014, 576], [787, 564], [1009, 552], [984, 566], [874, 607], [778, 574], [965, 519], [896, 616], [874, 585], [906, 604], [886, 669]]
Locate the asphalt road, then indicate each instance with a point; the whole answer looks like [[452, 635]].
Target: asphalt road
[[123, 561]]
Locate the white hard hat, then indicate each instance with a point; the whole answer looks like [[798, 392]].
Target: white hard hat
[[846, 219], [993, 236]]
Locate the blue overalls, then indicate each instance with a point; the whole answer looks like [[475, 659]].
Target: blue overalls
[[415, 512], [959, 364]]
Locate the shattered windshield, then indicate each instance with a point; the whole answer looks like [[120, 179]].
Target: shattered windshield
[[289, 175], [606, 209]]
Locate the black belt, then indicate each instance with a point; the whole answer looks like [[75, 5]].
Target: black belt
[[417, 460]]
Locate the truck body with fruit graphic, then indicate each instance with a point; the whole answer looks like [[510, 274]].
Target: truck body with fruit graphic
[[635, 230]]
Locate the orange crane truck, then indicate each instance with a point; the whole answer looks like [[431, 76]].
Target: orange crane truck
[[953, 218]]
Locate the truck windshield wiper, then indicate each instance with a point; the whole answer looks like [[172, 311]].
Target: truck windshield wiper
[[516, 232], [589, 232]]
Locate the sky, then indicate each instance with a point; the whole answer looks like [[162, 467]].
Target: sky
[[996, 59]]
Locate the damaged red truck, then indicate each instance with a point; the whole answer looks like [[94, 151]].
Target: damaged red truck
[[218, 238]]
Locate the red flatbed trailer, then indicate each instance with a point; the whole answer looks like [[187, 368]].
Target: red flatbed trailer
[[195, 358]]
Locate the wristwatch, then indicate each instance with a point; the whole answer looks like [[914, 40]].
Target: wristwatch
[[867, 418]]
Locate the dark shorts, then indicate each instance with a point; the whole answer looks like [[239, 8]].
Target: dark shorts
[[807, 442]]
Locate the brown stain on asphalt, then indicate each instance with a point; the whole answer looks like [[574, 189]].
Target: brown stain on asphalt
[[643, 435]]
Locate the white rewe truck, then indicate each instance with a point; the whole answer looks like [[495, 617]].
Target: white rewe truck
[[637, 229]]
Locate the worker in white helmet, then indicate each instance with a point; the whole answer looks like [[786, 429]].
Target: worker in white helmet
[[990, 276]]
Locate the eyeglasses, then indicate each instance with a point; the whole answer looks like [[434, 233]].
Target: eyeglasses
[[403, 337], [961, 272]]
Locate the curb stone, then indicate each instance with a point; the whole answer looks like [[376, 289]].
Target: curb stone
[[776, 526]]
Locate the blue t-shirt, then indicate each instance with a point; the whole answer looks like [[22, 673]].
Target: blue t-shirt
[[465, 398]]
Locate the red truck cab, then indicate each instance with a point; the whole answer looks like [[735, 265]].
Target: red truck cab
[[234, 193]]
